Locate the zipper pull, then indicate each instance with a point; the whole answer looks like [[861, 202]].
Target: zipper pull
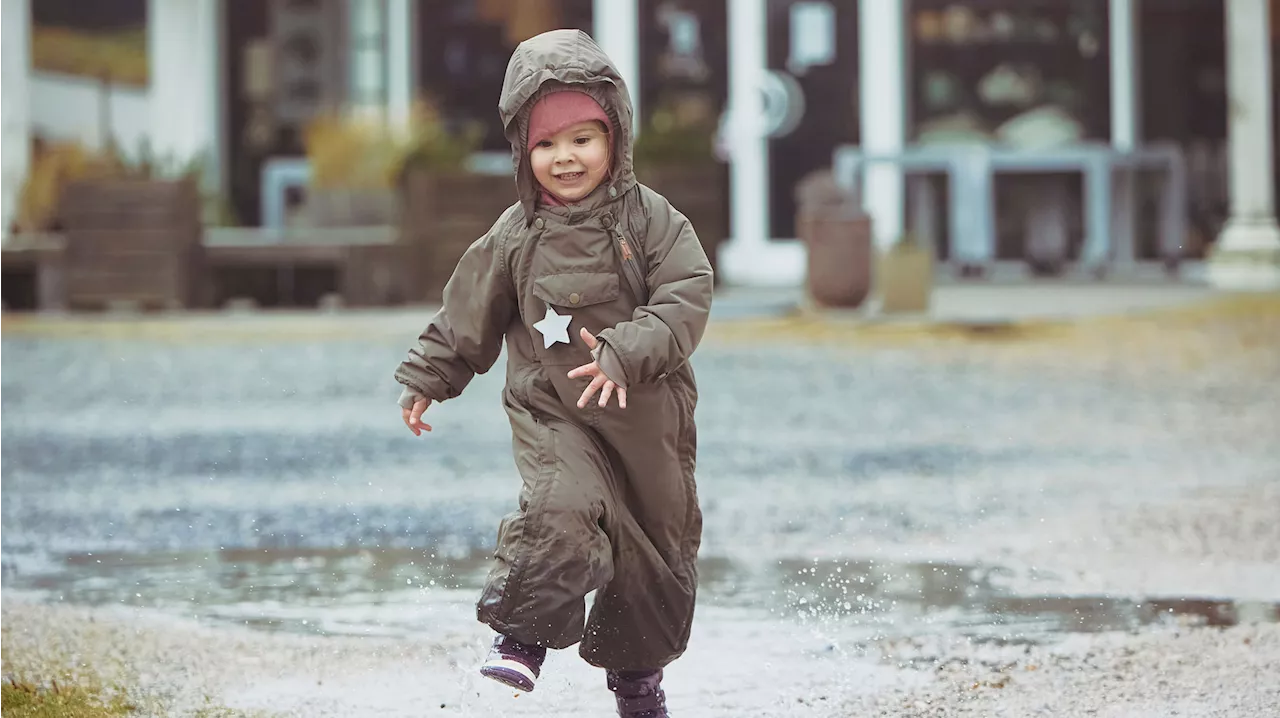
[[626, 248]]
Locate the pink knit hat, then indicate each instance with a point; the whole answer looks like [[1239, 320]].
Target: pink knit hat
[[560, 110]]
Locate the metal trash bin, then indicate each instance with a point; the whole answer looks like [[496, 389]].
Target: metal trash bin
[[837, 234]]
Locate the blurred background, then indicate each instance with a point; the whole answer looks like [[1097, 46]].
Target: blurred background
[[294, 152], [987, 400]]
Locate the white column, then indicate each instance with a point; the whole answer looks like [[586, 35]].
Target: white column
[[1247, 253], [882, 86], [16, 98], [1126, 122], [367, 58], [402, 61], [616, 29], [1125, 118], [748, 257], [182, 54]]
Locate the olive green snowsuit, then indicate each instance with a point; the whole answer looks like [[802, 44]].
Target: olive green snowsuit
[[608, 502]]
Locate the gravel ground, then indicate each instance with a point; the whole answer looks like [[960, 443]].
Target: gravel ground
[[982, 495]]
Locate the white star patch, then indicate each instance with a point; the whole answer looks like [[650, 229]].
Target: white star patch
[[554, 328]]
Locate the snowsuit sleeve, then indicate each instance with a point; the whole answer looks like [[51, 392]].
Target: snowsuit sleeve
[[663, 333], [465, 337]]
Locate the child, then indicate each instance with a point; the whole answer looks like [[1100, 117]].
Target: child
[[608, 502]]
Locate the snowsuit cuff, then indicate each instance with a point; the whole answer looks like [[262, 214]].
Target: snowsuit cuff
[[610, 364], [408, 397]]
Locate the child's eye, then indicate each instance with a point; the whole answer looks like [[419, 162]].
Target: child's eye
[[583, 140], [544, 144]]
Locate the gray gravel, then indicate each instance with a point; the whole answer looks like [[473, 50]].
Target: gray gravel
[[1052, 478]]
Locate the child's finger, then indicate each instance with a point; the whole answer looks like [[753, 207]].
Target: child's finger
[[590, 391], [605, 393], [415, 417], [587, 337], [622, 398], [584, 370]]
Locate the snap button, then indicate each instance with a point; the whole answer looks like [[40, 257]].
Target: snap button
[[613, 191], [575, 298], [539, 223], [607, 221]]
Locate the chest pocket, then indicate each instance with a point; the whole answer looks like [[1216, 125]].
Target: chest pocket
[[586, 299]]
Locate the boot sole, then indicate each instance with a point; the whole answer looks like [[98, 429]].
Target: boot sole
[[510, 673]]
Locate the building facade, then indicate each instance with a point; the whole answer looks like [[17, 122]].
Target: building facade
[[791, 80]]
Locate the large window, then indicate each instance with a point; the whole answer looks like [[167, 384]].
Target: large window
[[981, 68], [465, 45]]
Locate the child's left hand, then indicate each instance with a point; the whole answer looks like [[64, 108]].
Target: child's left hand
[[599, 382]]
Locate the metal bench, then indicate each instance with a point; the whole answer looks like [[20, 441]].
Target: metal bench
[[971, 169]]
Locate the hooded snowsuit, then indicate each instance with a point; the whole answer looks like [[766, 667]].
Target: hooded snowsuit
[[608, 502]]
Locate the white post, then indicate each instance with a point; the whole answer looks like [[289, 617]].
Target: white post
[[1125, 119], [882, 59], [749, 257], [402, 61], [745, 137], [1247, 253], [16, 97], [616, 28], [367, 55], [182, 49]]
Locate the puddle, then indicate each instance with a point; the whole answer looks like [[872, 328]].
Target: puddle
[[402, 592], [975, 600]]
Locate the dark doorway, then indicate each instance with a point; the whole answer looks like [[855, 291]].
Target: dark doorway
[[830, 89]]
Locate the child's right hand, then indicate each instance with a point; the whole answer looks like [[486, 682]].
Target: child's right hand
[[413, 417]]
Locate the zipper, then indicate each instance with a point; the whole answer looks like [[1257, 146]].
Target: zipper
[[629, 265]]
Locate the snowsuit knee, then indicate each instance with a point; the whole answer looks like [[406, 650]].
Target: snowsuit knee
[[608, 502]]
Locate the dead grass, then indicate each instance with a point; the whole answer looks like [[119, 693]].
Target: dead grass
[[1233, 332], [24, 699], [80, 677], [1236, 330]]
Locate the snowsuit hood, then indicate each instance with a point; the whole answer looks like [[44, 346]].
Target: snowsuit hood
[[553, 62]]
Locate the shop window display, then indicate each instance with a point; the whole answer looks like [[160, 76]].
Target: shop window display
[[1022, 72]]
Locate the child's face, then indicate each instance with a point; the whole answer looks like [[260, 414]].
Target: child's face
[[573, 162]]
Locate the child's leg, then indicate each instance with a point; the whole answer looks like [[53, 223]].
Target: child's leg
[[551, 552], [642, 619]]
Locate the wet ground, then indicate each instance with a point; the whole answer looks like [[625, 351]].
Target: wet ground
[[262, 479], [393, 593]]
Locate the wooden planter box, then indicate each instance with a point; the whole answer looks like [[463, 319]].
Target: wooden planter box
[[443, 213], [701, 193], [131, 242]]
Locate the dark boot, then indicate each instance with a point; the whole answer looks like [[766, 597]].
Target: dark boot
[[514, 663], [639, 693]]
